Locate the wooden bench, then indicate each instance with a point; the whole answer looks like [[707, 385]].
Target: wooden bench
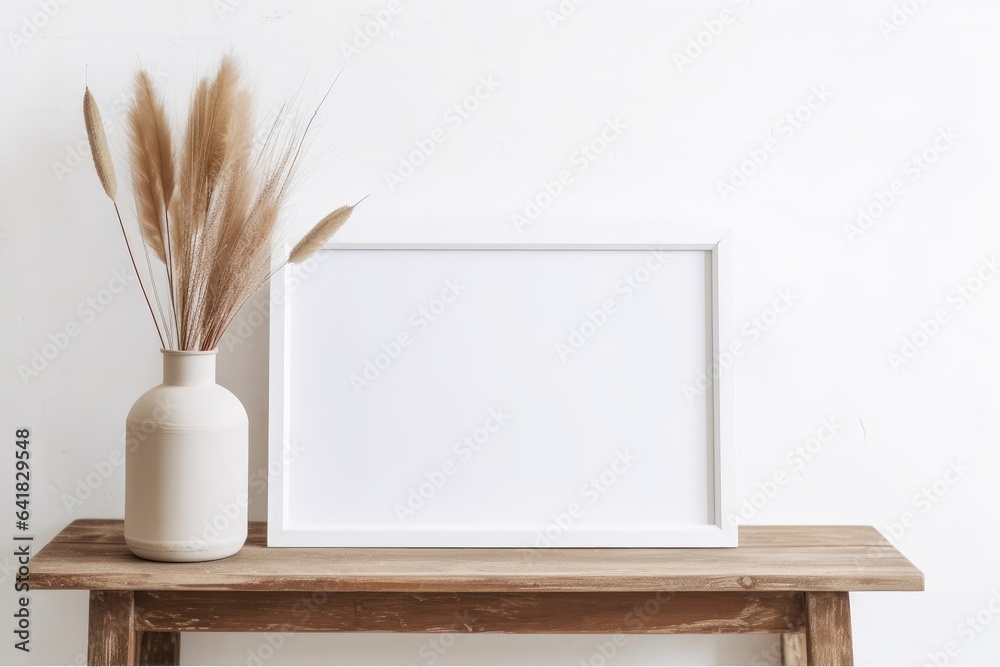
[[788, 580]]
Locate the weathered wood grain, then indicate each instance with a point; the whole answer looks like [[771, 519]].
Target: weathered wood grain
[[828, 626], [529, 613], [787, 580], [112, 530], [159, 648], [770, 559], [793, 648], [112, 633], [228, 611], [811, 536]]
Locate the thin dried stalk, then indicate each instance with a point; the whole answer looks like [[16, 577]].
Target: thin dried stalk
[[105, 168]]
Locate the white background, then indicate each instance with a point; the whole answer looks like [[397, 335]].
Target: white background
[[898, 430]]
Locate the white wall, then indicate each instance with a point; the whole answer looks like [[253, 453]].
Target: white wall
[[898, 429]]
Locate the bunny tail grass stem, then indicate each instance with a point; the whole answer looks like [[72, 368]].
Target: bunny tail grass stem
[[156, 295], [138, 276], [337, 218], [333, 222], [98, 140], [168, 251], [308, 246], [317, 237]]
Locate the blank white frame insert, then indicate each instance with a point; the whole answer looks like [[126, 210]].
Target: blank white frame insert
[[475, 392]]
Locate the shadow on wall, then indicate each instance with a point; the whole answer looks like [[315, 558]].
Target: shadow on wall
[[242, 368]]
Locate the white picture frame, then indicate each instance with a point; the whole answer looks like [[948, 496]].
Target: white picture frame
[[304, 509]]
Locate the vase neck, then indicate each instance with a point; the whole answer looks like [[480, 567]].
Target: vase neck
[[188, 368]]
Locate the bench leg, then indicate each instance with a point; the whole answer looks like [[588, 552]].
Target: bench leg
[[828, 629], [793, 648], [112, 638], [159, 648]]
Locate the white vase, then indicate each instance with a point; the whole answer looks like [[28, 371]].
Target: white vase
[[186, 465]]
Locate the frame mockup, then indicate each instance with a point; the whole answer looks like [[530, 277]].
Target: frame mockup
[[479, 392]]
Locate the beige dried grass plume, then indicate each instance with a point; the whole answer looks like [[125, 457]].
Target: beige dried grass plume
[[317, 237], [152, 164], [210, 211], [99, 145]]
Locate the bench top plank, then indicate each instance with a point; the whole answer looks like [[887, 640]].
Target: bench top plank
[[90, 554]]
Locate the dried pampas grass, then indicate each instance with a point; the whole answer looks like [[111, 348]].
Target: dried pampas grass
[[210, 210], [152, 164]]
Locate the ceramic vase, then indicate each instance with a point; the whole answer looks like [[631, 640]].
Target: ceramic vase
[[186, 465]]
